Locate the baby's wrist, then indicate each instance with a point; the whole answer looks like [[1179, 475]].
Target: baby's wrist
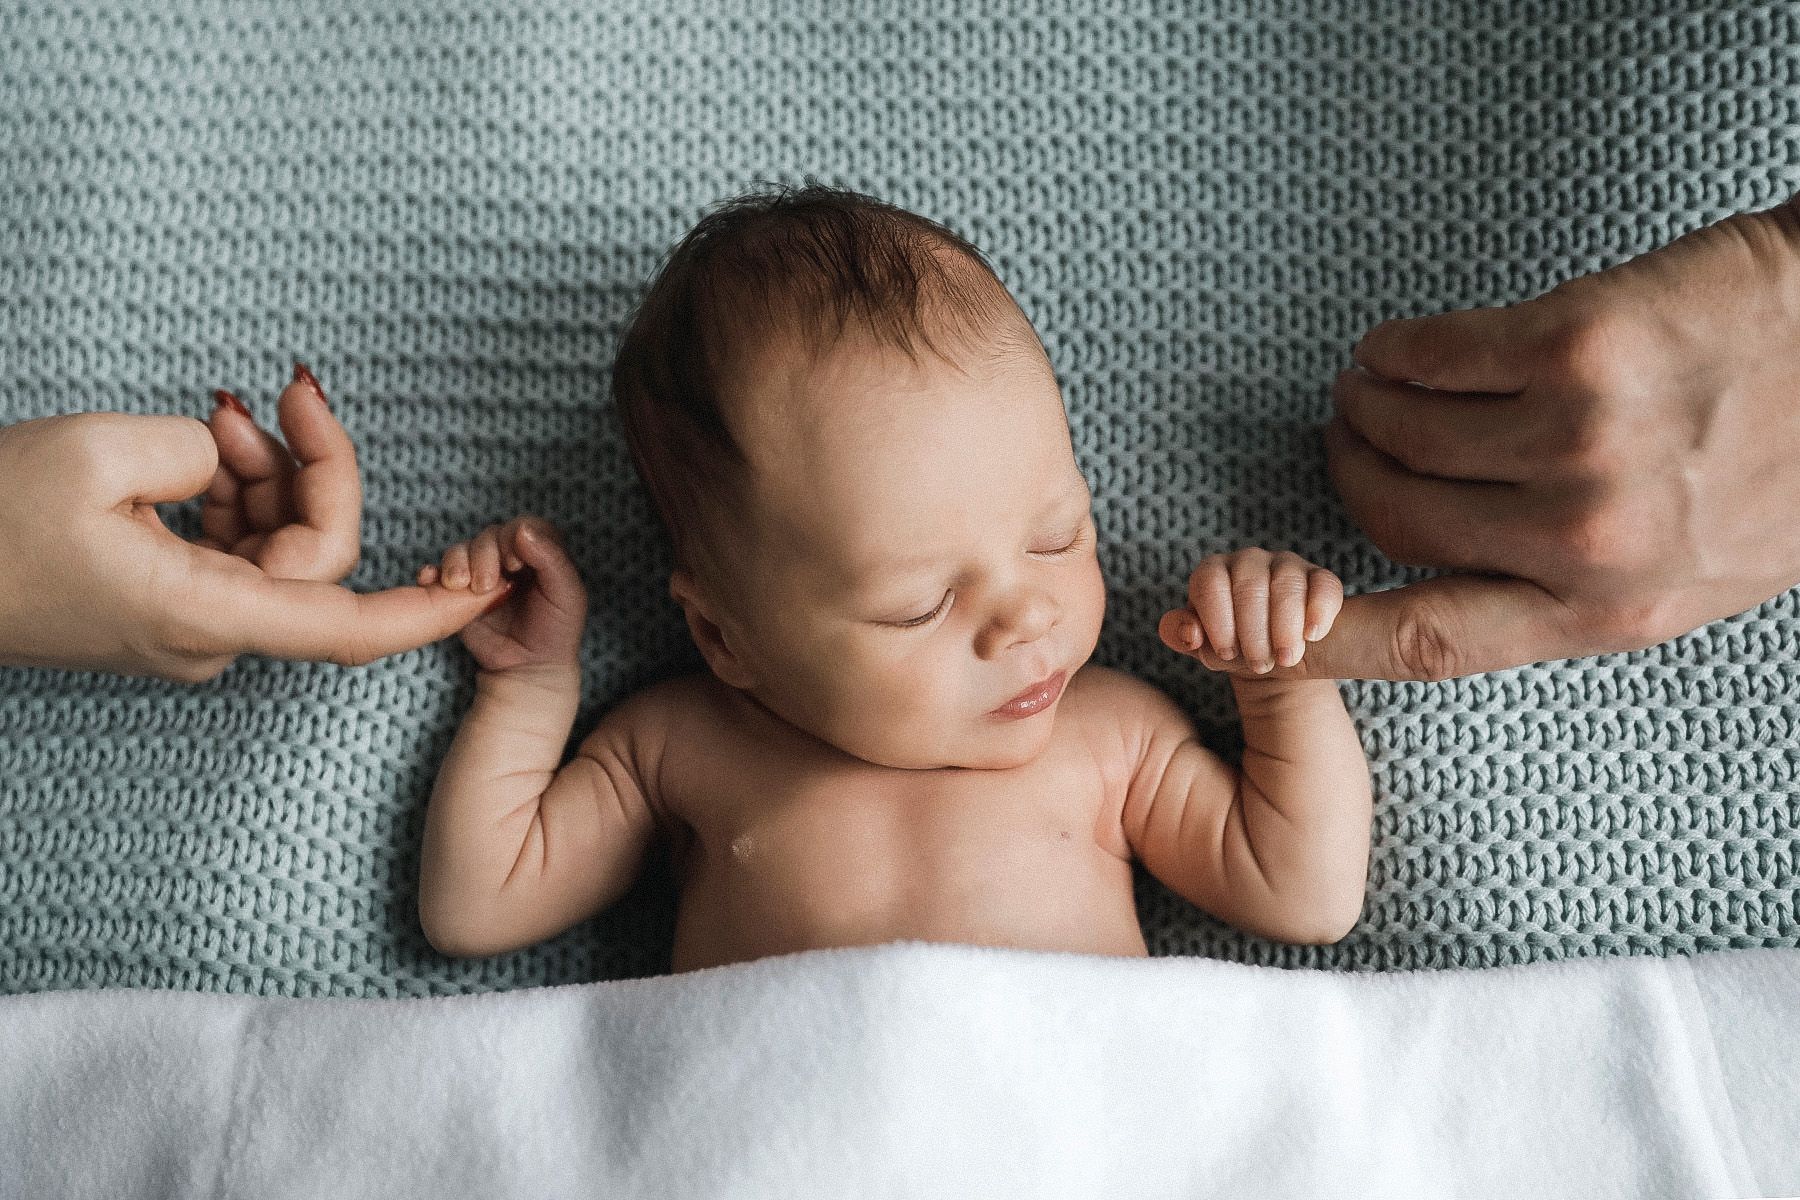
[[553, 678], [1273, 678], [1278, 699]]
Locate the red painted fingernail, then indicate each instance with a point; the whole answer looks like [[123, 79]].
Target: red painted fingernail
[[302, 375], [221, 396]]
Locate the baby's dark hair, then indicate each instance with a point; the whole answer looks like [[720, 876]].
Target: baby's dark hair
[[789, 266]]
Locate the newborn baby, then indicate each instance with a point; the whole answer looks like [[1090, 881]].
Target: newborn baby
[[887, 559]]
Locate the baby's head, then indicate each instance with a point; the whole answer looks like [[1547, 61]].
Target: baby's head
[[878, 544]]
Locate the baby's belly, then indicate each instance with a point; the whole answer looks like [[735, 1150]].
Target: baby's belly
[[756, 901]]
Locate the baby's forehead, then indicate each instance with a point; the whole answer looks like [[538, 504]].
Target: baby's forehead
[[860, 447], [864, 403]]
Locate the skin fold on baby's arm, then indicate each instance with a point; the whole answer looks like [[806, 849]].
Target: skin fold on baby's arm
[[1280, 846], [519, 847]]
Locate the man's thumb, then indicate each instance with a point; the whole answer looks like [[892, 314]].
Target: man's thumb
[[1445, 627]]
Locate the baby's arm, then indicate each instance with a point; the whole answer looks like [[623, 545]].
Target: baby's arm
[[1280, 847], [517, 850]]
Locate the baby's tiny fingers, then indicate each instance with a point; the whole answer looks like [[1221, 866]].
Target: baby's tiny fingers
[[1324, 600], [1287, 608], [484, 559], [456, 566], [1182, 629], [427, 573], [538, 542], [1250, 598], [1209, 595], [540, 547], [509, 544]]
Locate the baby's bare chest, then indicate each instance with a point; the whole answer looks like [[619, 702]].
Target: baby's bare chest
[[809, 851], [788, 812]]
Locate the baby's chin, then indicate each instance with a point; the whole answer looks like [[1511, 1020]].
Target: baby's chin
[[992, 745], [984, 761]]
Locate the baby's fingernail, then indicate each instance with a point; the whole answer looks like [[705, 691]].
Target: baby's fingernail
[[1313, 632], [1187, 634], [302, 375], [1229, 652], [1289, 656]]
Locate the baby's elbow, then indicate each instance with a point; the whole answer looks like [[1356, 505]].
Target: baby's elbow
[[1327, 930], [452, 944], [451, 949]]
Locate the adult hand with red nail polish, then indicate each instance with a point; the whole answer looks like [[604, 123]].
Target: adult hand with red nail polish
[[294, 510], [93, 580]]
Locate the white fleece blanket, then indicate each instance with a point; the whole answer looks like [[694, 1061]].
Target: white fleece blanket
[[931, 1070]]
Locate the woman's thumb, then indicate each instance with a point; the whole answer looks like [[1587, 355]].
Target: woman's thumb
[[154, 458]]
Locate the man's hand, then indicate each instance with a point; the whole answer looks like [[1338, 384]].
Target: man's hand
[[1620, 456], [94, 581]]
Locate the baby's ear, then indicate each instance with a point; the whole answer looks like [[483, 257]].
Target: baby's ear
[[707, 634]]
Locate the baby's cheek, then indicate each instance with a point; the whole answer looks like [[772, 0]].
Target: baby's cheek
[[1094, 595], [900, 680]]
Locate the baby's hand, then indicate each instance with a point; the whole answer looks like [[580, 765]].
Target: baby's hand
[[540, 604], [1249, 599]]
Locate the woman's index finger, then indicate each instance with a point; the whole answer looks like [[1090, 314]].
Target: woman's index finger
[[327, 484]]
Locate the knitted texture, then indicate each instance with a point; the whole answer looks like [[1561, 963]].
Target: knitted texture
[[447, 211]]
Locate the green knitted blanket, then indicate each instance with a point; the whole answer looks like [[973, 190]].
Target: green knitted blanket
[[448, 210]]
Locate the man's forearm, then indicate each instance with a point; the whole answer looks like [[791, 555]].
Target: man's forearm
[[506, 753], [1306, 797]]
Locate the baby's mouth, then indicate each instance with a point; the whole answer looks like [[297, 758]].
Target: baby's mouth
[[1033, 699]]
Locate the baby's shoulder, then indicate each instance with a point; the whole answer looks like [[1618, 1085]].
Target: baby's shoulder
[[1118, 710], [670, 722], [699, 714], [1109, 692], [674, 702]]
